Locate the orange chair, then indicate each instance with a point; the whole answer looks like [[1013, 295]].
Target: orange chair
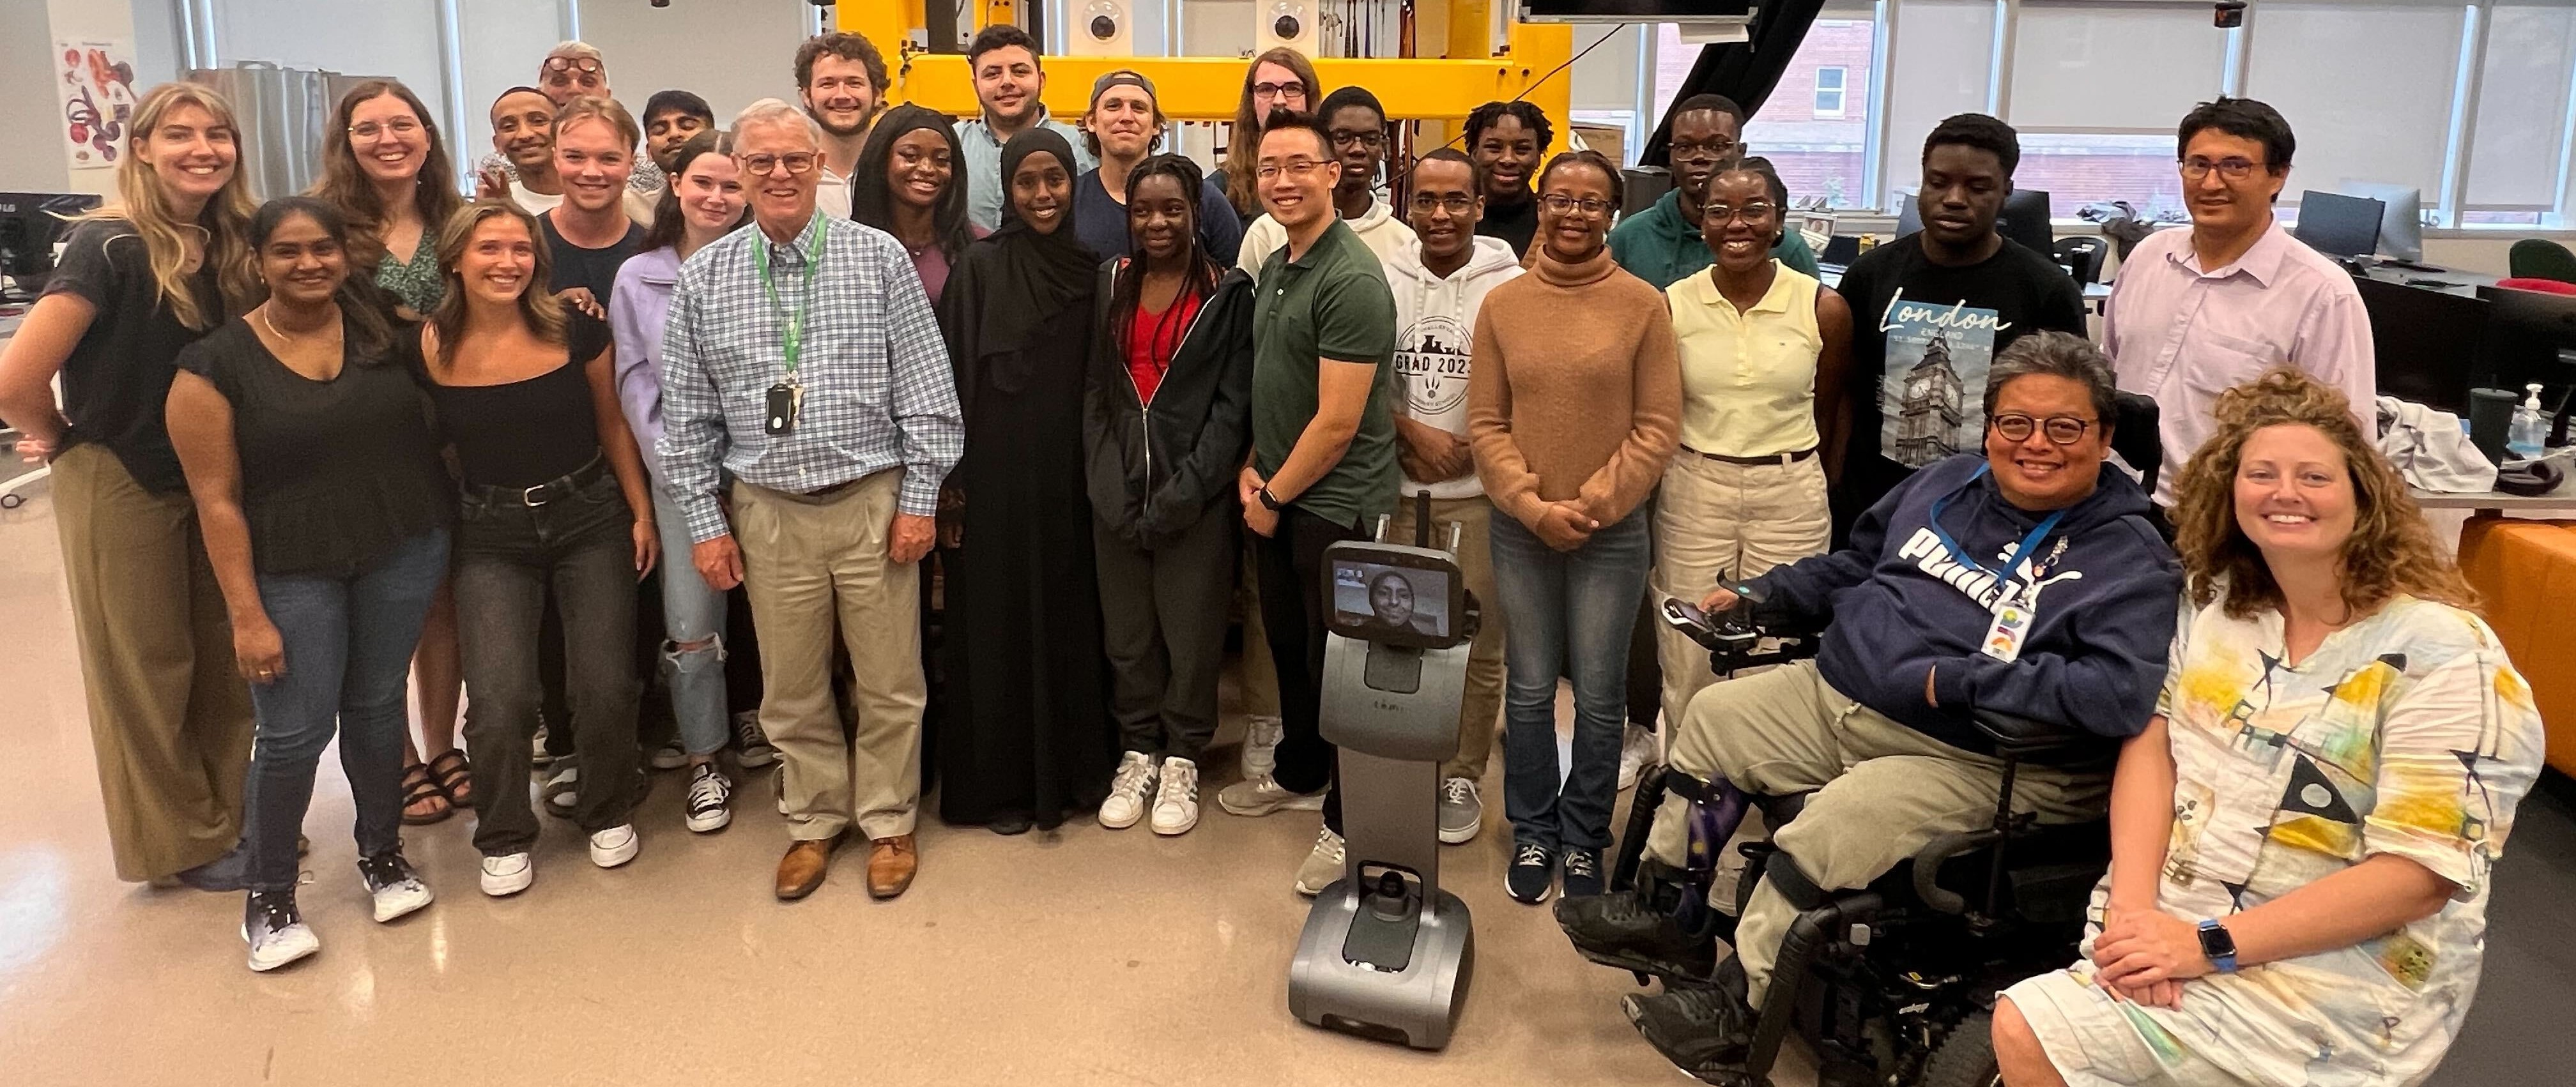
[[2525, 573]]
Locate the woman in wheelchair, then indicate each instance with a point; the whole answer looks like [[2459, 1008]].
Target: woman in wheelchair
[[2302, 837]]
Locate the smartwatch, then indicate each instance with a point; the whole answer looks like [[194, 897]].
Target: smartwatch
[[1270, 501], [2217, 946]]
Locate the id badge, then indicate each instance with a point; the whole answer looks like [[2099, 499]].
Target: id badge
[[778, 416], [2012, 623]]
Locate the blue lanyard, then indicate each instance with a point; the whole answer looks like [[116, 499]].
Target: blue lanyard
[[2020, 554]]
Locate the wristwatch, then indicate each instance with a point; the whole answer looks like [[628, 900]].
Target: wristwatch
[[2217, 946], [1270, 501]]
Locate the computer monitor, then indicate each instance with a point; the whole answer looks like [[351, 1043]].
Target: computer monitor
[[2526, 330], [2338, 225], [29, 224], [2024, 219], [2401, 216], [2431, 344], [1841, 250]]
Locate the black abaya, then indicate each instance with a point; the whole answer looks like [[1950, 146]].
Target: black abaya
[[1025, 733]]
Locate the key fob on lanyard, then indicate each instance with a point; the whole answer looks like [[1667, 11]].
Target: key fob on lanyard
[[779, 415]]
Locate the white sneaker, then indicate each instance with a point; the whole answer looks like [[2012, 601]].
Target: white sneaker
[[1176, 798], [1126, 803], [1322, 866], [670, 756], [508, 874], [1462, 811], [392, 884], [275, 930], [1263, 795], [779, 782], [710, 803], [562, 792], [1261, 746], [614, 846], [1637, 751]]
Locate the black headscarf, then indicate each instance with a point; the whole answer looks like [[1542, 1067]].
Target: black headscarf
[[1008, 298], [872, 200]]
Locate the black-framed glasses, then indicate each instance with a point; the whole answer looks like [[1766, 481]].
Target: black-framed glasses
[[2232, 168], [1560, 203], [1455, 205], [584, 65], [1718, 148], [1278, 90], [1369, 139], [1721, 214], [2061, 429]]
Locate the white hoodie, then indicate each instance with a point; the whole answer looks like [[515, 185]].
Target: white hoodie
[[1379, 230], [1434, 320]]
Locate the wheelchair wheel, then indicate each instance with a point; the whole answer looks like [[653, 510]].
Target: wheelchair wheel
[[1967, 1057]]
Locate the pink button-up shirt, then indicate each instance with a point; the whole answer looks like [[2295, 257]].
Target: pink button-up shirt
[[2183, 335]]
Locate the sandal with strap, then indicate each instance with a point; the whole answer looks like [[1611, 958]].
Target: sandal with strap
[[418, 789], [455, 776]]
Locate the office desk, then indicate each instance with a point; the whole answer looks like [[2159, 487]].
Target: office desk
[[2497, 502], [2452, 280]]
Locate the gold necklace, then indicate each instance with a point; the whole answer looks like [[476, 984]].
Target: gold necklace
[[273, 330]]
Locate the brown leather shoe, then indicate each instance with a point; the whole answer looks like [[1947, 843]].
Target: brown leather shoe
[[801, 870], [891, 864]]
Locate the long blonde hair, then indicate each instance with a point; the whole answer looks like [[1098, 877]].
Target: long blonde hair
[[224, 221], [537, 305]]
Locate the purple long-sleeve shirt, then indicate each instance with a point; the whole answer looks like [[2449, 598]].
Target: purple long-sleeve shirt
[[635, 315]]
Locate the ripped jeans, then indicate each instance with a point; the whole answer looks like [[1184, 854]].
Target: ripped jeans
[[693, 618]]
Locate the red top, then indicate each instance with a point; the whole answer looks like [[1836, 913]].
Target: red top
[[1152, 338]]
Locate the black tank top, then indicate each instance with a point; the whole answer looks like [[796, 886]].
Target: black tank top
[[527, 432]]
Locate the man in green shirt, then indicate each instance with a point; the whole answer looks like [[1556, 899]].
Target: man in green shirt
[[1661, 244], [1323, 454]]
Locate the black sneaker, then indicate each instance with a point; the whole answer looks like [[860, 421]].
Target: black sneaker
[[1532, 874], [1704, 1030], [1582, 873], [1638, 930], [710, 801], [392, 884], [275, 930]]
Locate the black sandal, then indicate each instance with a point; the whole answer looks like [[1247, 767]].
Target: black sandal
[[455, 776], [418, 787]]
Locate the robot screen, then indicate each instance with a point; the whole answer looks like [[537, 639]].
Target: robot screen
[[1383, 603]]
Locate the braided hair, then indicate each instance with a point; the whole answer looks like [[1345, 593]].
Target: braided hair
[[1127, 294]]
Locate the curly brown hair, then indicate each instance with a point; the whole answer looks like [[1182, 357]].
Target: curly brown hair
[[2391, 551]]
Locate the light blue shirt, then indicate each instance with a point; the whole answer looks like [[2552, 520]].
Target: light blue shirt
[[984, 187]]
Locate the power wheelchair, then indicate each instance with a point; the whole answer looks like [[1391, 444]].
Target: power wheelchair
[[1894, 984]]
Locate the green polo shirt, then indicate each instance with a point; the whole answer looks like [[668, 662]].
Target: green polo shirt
[[1332, 303], [1659, 246]]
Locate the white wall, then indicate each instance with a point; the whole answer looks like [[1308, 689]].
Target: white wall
[[34, 161], [731, 54]]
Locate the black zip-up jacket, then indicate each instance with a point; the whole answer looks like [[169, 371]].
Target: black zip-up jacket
[[1153, 471]]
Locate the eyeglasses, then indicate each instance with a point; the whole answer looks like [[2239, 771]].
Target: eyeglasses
[[1370, 140], [1720, 214], [798, 163], [1454, 205], [1270, 171], [400, 126], [584, 65], [2233, 169], [2061, 429], [1277, 90], [1561, 204], [1718, 148]]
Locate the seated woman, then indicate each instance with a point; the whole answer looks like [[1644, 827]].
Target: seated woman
[[2301, 838]]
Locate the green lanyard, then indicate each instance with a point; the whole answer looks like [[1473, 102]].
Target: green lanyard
[[795, 332]]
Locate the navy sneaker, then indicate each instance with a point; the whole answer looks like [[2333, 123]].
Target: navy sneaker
[[1532, 874], [1582, 873]]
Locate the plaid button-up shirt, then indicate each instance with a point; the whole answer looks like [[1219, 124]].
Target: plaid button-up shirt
[[878, 389]]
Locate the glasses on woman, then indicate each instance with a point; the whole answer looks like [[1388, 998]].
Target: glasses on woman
[[1722, 214], [796, 162], [1561, 204], [2232, 168], [2061, 429], [1270, 171], [369, 130]]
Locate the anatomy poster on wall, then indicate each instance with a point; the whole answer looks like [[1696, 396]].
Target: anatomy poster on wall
[[95, 80]]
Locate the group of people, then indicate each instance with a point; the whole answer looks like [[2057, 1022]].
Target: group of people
[[842, 417]]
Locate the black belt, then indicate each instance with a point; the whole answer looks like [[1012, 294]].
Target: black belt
[[548, 491], [1782, 459]]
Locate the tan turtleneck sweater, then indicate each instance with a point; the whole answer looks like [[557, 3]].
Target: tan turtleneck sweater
[[1576, 389]]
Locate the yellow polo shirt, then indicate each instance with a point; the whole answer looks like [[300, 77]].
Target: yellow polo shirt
[[1749, 377]]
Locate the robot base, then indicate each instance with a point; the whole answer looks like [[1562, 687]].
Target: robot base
[[1418, 1004]]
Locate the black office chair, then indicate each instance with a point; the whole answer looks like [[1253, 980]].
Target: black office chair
[[2083, 257], [2135, 435]]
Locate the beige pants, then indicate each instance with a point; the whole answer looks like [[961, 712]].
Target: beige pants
[[1480, 711], [1882, 790], [806, 561], [1716, 522], [169, 715]]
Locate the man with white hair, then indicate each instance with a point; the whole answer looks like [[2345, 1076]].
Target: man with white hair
[[571, 70], [802, 362]]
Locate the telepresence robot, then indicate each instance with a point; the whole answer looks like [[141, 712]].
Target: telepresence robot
[[1386, 953]]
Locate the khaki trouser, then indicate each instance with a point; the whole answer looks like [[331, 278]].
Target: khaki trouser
[[169, 715], [806, 561], [1480, 711], [1719, 522], [1882, 790]]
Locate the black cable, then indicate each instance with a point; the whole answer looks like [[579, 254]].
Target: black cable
[[1394, 177]]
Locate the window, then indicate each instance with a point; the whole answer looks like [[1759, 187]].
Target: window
[[2367, 87], [1940, 64], [2517, 145], [2097, 87], [1829, 91]]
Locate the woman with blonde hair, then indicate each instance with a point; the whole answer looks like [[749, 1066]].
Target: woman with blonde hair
[[138, 281], [1281, 78], [2302, 837]]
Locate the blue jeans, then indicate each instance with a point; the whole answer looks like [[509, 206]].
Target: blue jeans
[[348, 662], [1571, 613], [692, 611]]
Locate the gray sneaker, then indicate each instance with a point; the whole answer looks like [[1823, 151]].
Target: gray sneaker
[[1264, 795], [1462, 811], [1324, 865]]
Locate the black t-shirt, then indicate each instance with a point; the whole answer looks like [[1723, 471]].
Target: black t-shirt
[[118, 375], [527, 432], [592, 268], [1516, 224], [1922, 337], [333, 473]]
